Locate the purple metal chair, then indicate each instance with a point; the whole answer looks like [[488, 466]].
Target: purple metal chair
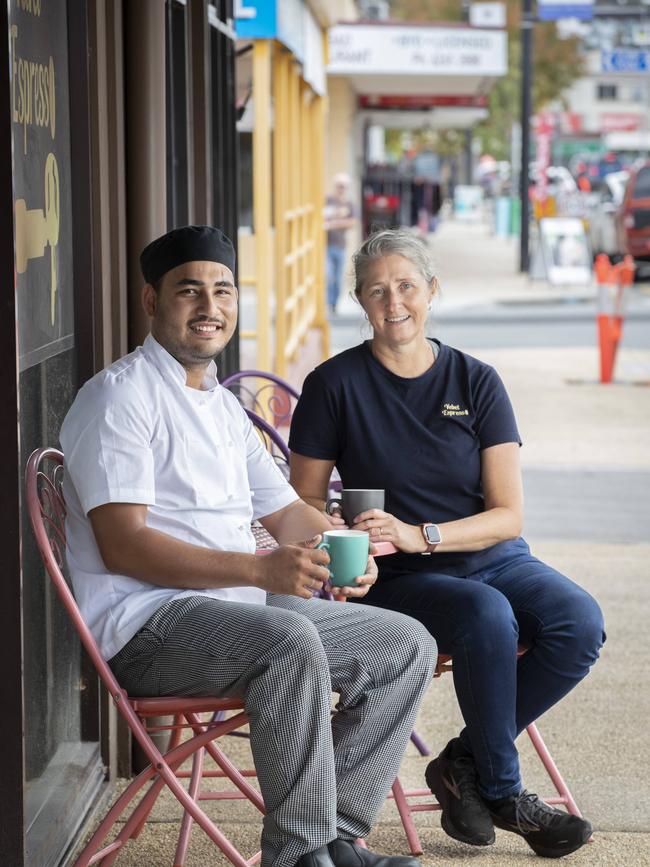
[[279, 451], [269, 397], [47, 510], [273, 441], [266, 394]]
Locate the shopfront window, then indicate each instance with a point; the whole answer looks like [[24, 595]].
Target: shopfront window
[[62, 764]]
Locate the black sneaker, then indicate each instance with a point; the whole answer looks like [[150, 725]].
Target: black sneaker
[[452, 779], [549, 832]]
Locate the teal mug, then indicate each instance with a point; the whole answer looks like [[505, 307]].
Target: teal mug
[[348, 550]]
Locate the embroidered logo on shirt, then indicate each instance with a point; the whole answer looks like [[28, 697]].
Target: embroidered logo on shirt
[[454, 409]]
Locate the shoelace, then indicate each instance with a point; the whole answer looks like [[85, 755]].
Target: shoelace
[[529, 809], [466, 779]]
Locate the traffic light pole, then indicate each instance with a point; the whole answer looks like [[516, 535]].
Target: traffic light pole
[[526, 88]]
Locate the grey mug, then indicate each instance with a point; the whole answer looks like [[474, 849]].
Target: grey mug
[[353, 501]]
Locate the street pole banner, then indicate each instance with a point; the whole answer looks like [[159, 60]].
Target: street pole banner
[[553, 10]]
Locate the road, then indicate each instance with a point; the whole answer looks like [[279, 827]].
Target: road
[[508, 325], [491, 334]]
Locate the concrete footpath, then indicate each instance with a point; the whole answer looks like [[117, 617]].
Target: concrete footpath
[[586, 457]]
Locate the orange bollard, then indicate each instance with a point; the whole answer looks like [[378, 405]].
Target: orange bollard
[[602, 269], [610, 316], [609, 333]]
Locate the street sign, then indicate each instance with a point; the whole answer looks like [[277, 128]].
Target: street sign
[[625, 60], [487, 14], [553, 10]]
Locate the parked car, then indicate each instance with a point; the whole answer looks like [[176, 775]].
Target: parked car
[[633, 216], [601, 212]]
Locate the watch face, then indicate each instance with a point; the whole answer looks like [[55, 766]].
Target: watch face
[[432, 533]]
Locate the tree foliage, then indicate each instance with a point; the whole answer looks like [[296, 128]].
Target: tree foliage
[[557, 63]]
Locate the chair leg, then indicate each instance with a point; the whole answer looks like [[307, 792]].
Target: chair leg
[[88, 854], [165, 775], [551, 768], [174, 740], [407, 810], [406, 816], [233, 774], [421, 747], [186, 823], [230, 770]]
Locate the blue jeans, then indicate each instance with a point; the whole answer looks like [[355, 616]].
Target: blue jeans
[[335, 262], [479, 620]]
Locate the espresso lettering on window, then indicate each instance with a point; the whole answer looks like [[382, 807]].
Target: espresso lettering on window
[[33, 94], [33, 7]]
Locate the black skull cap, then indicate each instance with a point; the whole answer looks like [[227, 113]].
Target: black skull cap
[[186, 244]]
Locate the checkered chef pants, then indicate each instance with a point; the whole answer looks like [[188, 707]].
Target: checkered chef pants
[[320, 777]]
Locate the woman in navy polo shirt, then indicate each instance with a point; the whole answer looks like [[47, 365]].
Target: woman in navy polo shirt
[[435, 429]]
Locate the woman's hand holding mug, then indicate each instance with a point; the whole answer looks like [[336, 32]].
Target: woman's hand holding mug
[[384, 527]]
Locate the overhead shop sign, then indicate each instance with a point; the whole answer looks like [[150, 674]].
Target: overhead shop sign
[[408, 51], [292, 23], [553, 10], [625, 60]]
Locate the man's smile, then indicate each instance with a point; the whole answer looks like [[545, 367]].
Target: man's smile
[[207, 329]]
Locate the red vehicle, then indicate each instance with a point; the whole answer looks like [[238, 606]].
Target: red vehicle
[[633, 216]]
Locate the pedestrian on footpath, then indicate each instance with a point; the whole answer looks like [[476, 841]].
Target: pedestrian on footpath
[[434, 428], [163, 475], [339, 217]]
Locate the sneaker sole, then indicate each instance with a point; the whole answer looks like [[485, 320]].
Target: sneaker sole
[[546, 851], [433, 776]]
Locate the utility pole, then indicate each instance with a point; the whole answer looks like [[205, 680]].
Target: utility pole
[[526, 88]]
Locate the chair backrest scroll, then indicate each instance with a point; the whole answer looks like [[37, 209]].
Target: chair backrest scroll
[[47, 512]]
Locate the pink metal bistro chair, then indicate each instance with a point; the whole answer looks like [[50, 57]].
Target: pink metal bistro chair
[[47, 511], [406, 809]]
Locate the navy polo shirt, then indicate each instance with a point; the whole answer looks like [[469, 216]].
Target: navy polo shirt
[[419, 439]]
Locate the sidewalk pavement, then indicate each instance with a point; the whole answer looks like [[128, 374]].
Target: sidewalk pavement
[[475, 268], [599, 733]]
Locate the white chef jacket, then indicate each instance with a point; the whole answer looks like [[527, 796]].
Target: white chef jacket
[[136, 433]]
